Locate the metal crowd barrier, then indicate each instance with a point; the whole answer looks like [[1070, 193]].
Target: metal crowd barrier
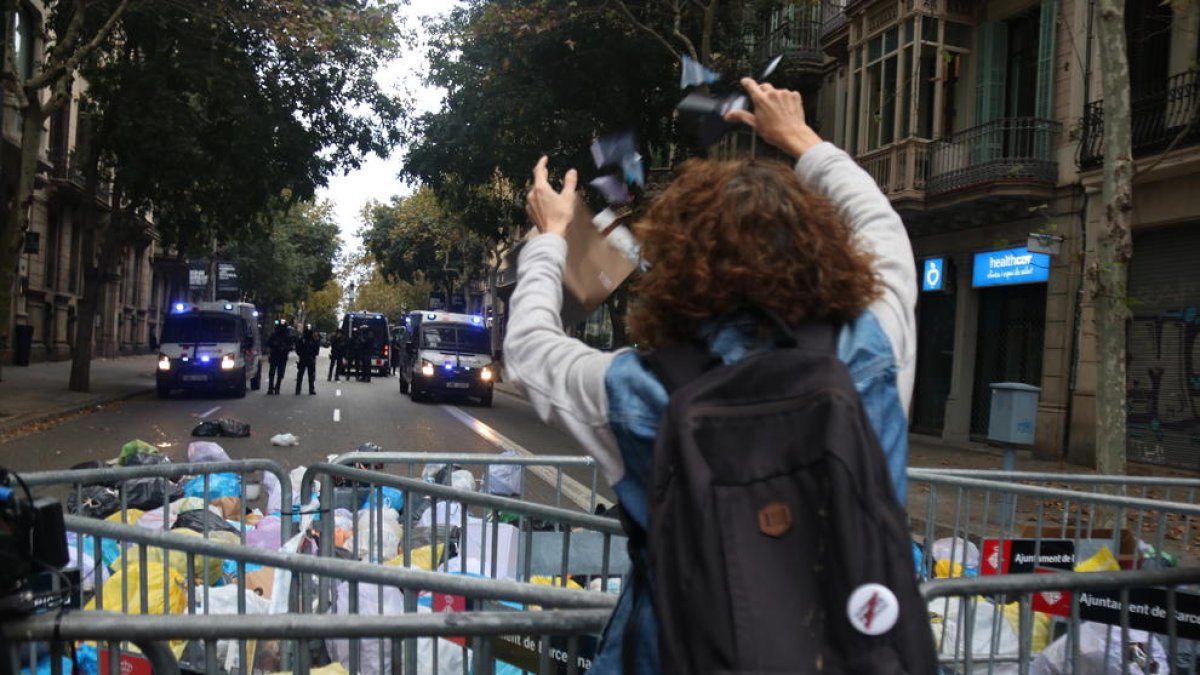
[[366, 614], [550, 468], [541, 540], [1086, 623], [979, 507]]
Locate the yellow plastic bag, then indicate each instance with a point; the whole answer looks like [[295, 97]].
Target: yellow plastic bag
[[173, 596], [421, 557], [1103, 561], [945, 568], [131, 517], [556, 581], [1040, 637], [331, 669], [208, 571]]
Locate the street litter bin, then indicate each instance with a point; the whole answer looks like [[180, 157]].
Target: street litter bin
[[23, 345], [1013, 415]]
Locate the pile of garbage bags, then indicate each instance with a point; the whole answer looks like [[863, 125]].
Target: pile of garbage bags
[[365, 524]]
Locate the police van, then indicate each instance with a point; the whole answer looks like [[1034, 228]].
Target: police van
[[447, 354], [213, 346], [380, 347]]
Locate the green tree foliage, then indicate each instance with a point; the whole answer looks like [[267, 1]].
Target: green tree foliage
[[390, 297], [321, 307], [414, 240], [215, 117], [294, 261], [531, 77]]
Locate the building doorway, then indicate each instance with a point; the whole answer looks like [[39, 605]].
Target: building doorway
[[1012, 328], [935, 362]]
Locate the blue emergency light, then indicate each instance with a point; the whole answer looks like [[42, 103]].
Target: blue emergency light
[[477, 320], [179, 307], [228, 307]]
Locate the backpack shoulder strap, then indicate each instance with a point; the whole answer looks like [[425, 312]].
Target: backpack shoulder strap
[[677, 365]]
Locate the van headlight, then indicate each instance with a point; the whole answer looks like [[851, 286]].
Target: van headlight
[[426, 368], [227, 362], [164, 362], [486, 374]]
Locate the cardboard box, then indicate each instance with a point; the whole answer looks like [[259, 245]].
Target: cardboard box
[[595, 268]]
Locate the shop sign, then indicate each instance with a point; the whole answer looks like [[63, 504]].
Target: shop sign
[[1010, 266], [933, 274]]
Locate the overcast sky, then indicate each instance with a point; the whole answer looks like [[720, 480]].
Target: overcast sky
[[377, 178]]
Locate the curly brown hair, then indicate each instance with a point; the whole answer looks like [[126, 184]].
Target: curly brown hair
[[744, 234]]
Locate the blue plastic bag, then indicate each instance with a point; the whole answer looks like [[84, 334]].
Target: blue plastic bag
[[392, 499], [219, 485]]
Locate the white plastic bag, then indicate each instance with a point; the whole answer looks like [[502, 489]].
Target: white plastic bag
[[206, 451], [375, 656], [370, 545], [462, 480], [285, 440], [449, 514], [992, 636], [964, 552], [224, 600], [506, 479], [1100, 652], [273, 488]]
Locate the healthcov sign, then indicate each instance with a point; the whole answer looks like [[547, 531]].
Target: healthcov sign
[[1010, 266]]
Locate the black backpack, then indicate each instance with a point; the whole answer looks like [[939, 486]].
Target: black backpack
[[776, 543]]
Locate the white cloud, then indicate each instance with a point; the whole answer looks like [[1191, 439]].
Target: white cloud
[[377, 178]]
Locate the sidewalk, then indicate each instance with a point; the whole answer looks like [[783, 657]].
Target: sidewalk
[[934, 453], [39, 392]]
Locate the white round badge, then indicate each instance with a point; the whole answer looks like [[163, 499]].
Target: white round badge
[[873, 609]]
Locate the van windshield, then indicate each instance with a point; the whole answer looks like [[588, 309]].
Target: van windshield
[[200, 328], [456, 338]]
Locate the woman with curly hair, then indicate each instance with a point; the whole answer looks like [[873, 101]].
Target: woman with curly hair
[[729, 243]]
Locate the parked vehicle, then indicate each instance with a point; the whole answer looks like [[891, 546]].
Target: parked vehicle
[[447, 355], [380, 356], [210, 346]]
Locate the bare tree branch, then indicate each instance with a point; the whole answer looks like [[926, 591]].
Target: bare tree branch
[[68, 64], [677, 29], [624, 9]]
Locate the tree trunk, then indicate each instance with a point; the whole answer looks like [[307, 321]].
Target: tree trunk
[[16, 221], [96, 239], [1108, 276]]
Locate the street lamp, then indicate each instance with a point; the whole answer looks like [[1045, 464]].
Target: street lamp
[[351, 295]]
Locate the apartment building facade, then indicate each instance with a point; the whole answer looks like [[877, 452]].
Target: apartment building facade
[[59, 240], [982, 121]]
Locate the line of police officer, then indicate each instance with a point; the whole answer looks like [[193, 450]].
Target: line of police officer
[[357, 349]]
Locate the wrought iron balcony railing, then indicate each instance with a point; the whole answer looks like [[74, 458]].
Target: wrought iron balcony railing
[[1014, 149], [1157, 118], [799, 38], [901, 169], [833, 15]]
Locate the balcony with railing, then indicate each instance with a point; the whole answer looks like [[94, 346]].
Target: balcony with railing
[[1158, 118], [833, 16], [1015, 150], [901, 169], [797, 38]]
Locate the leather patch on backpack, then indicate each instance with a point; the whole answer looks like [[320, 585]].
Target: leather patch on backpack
[[775, 519]]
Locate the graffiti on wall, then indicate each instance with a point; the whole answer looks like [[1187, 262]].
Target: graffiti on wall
[[1163, 390]]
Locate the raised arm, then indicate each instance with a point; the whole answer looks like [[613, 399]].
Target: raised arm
[[562, 377]]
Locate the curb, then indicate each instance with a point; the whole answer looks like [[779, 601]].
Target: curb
[[11, 426]]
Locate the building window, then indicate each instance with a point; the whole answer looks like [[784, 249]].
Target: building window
[[905, 82], [23, 42]]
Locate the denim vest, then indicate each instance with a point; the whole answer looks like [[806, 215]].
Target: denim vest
[[637, 400]]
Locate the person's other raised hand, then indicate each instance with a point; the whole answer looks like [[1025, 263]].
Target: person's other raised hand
[[550, 210], [778, 118]]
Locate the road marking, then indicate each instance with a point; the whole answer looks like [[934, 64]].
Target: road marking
[[209, 412], [572, 489], [338, 392], [337, 415]]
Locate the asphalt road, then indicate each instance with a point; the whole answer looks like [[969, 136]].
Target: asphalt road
[[340, 417]]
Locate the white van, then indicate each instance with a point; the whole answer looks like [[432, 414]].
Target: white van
[[446, 355], [210, 346]]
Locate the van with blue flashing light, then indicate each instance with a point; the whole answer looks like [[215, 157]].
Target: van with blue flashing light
[[380, 348], [210, 346], [447, 355]]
